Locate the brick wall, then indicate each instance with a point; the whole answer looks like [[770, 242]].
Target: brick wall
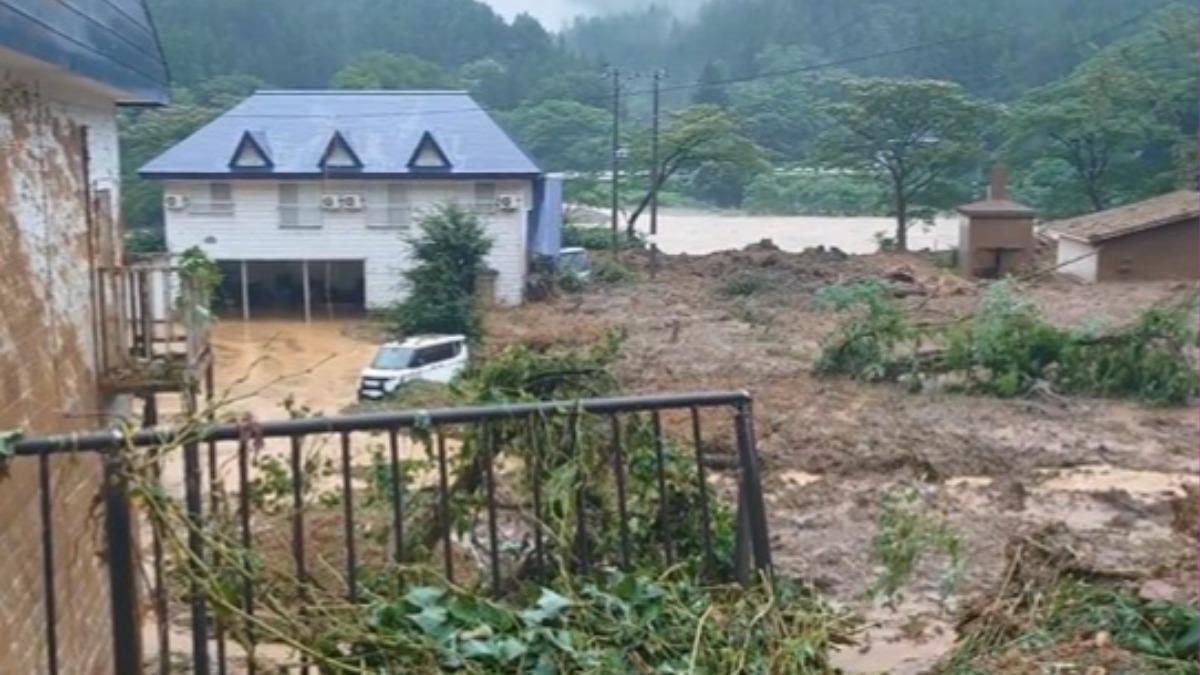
[[47, 379]]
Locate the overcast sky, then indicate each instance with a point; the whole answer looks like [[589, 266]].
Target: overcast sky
[[553, 13]]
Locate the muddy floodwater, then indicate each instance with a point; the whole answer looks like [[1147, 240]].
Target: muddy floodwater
[[699, 232]]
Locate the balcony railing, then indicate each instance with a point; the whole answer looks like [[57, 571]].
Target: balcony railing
[[211, 208], [392, 217], [224, 538], [143, 343]]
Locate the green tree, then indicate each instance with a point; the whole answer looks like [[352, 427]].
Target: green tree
[[225, 91], [449, 251], [696, 136], [384, 70], [781, 113], [1124, 122], [486, 79], [144, 135], [914, 136], [710, 88], [562, 135]]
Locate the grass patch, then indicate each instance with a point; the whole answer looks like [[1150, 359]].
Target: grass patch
[[743, 284]]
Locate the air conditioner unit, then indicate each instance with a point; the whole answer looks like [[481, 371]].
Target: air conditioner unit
[[508, 202], [175, 202], [351, 202], [330, 202]]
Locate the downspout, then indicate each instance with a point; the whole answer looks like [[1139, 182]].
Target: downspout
[[89, 220]]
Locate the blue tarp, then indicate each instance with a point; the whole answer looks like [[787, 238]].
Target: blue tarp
[[545, 237]]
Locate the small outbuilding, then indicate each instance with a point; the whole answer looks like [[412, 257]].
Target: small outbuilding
[[995, 234], [1153, 239]]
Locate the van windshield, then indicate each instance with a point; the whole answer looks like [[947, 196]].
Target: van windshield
[[393, 358]]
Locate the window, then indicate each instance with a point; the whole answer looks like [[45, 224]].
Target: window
[[289, 205], [387, 206], [298, 206], [393, 358], [485, 192], [436, 354], [485, 197], [220, 198]]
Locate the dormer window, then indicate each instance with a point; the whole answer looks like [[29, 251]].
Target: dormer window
[[428, 155], [251, 152], [339, 155]]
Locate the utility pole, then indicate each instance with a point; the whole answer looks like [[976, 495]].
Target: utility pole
[[616, 162], [654, 178]]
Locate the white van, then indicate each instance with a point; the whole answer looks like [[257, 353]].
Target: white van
[[435, 358]]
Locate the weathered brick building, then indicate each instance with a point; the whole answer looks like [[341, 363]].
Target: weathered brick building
[[64, 69]]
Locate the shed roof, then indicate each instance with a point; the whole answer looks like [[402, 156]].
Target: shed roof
[[110, 42], [1124, 220], [383, 129], [997, 208]]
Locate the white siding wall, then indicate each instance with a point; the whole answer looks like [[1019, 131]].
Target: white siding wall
[[1085, 261], [253, 232]]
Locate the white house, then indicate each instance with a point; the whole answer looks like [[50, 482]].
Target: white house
[[306, 198]]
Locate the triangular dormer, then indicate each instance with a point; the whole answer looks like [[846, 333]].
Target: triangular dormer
[[428, 155], [339, 155], [252, 152]]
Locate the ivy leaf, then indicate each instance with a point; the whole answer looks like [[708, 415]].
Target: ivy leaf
[[478, 649], [384, 615], [510, 649], [8, 438], [431, 620], [549, 606], [424, 596]]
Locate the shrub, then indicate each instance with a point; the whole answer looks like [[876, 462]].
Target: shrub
[[599, 238], [865, 347], [609, 271], [817, 194], [742, 284], [449, 249], [1008, 348]]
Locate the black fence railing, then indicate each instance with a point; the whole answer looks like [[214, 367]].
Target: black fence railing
[[612, 430]]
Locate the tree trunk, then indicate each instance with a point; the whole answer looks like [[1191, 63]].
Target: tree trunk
[[901, 221], [1093, 193]]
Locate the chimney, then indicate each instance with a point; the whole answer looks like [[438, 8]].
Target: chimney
[[998, 189]]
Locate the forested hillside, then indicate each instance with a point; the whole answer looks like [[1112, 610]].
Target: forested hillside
[[1090, 104]]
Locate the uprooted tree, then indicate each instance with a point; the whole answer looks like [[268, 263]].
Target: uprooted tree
[[1007, 348]]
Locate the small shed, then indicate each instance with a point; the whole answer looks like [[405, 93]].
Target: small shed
[[1153, 239], [995, 234]]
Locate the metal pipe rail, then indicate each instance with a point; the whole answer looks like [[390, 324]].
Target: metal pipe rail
[[535, 425]]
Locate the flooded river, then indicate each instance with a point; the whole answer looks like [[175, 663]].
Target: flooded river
[[699, 232]]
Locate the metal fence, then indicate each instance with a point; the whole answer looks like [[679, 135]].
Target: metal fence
[[208, 647]]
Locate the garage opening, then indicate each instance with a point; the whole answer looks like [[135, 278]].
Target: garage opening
[[278, 288]]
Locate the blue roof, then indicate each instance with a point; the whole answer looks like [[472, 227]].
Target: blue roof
[[111, 42], [383, 128]]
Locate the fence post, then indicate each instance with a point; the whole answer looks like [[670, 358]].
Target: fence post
[[751, 489], [122, 568]]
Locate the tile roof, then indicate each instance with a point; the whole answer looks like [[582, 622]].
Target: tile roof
[[1122, 220], [383, 129]]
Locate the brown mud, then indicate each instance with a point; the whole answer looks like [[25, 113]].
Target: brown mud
[[1118, 474]]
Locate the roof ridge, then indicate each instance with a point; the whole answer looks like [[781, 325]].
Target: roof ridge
[[358, 92]]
